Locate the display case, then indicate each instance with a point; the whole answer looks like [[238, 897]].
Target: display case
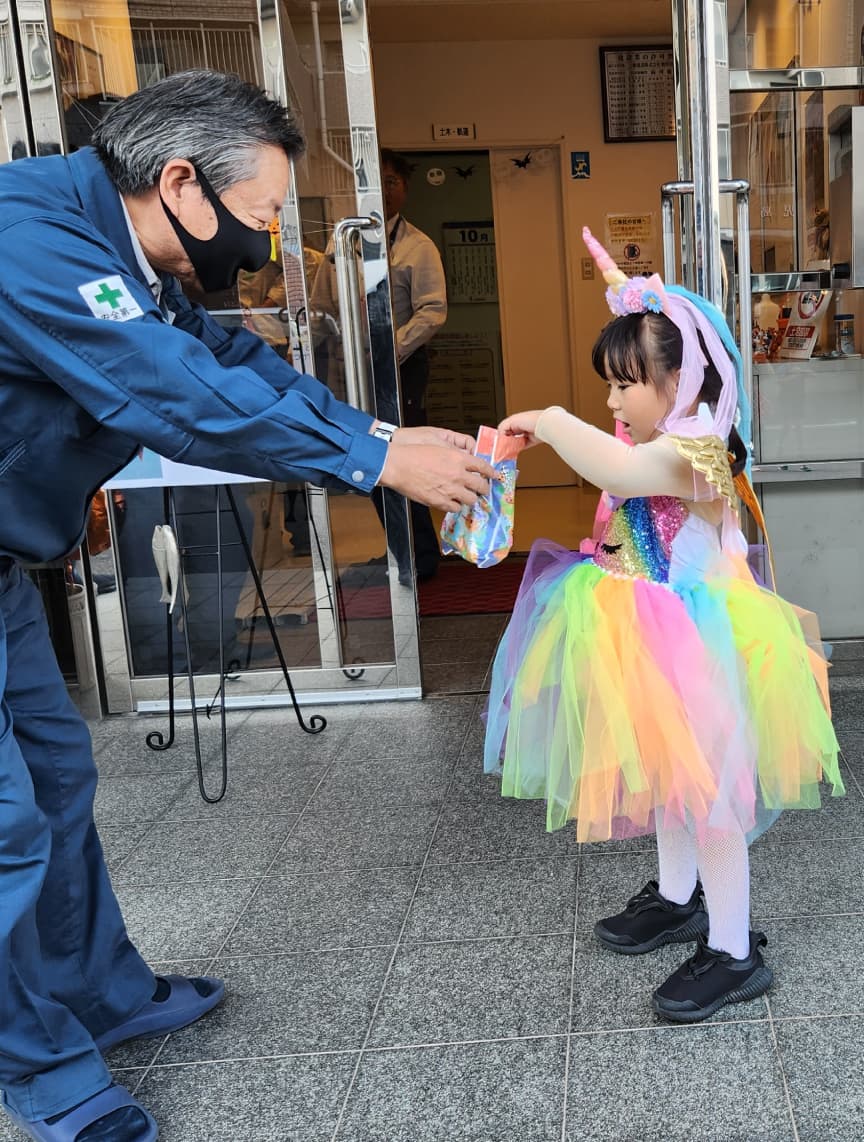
[[803, 153]]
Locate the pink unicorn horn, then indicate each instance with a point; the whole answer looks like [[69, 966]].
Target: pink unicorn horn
[[613, 277]]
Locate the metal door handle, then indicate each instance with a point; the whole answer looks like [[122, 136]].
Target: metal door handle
[[348, 292], [803, 471]]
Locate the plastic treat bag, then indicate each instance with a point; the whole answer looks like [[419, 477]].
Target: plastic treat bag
[[483, 533]]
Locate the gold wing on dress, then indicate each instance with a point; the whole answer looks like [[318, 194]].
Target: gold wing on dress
[[709, 456]]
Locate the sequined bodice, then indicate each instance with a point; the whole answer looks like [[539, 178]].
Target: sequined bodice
[[638, 537]]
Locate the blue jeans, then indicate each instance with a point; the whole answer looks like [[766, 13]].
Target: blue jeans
[[67, 968]]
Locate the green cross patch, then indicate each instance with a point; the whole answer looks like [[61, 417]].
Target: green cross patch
[[109, 299]]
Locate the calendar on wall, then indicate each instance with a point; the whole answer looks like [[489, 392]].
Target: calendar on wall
[[638, 94], [469, 262]]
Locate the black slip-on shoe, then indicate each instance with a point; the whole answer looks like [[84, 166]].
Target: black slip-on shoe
[[709, 980], [650, 920]]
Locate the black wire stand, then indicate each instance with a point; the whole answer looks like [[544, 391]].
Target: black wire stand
[[156, 739]]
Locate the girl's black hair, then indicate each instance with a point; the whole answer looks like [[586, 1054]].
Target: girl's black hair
[[636, 348]]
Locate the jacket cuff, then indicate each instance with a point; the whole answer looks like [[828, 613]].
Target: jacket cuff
[[364, 461]]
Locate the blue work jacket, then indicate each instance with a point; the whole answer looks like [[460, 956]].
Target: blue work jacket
[[90, 369]]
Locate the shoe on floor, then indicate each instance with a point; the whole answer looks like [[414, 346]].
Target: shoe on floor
[[112, 1115], [650, 920], [709, 980], [176, 1003]]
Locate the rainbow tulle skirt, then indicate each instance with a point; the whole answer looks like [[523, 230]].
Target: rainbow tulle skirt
[[614, 697]]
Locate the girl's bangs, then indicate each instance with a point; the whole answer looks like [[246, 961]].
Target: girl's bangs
[[619, 353]]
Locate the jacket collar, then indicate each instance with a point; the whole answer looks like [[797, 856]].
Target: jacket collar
[[102, 205]]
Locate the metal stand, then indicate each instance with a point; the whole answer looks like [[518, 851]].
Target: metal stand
[[156, 739]]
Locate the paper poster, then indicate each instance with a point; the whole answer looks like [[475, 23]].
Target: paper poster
[[148, 470], [631, 239], [805, 324]]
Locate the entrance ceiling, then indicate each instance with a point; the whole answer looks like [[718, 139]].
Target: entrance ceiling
[[406, 21], [460, 21]]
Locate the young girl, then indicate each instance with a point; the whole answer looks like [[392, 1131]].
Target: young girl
[[655, 686]]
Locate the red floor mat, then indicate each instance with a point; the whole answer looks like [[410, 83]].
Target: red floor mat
[[459, 588]]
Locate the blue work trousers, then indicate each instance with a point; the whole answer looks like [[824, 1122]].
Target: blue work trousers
[[67, 968]]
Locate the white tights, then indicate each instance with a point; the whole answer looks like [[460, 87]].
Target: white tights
[[721, 859]]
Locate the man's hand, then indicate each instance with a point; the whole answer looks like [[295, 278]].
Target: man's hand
[[441, 477], [427, 434]]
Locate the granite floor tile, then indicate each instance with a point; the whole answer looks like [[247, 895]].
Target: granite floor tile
[[286, 1004], [471, 754], [273, 737], [179, 851], [182, 921], [329, 910], [506, 1092], [817, 965], [715, 1083], [431, 729], [262, 1100], [142, 797], [838, 816], [823, 1060], [497, 827], [118, 841], [365, 837], [813, 878], [847, 706], [606, 883], [120, 744], [357, 781], [481, 989], [496, 898], [852, 745], [612, 992], [470, 783], [450, 709], [252, 791]]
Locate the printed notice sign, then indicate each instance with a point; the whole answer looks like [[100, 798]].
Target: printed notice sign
[[631, 239]]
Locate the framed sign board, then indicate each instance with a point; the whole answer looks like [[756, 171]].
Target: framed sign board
[[638, 94]]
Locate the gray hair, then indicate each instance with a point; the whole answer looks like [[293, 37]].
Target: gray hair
[[215, 121]]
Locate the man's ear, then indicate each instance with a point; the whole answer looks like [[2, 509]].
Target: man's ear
[[177, 178]]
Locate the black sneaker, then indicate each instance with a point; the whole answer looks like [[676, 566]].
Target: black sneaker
[[709, 980], [650, 920]]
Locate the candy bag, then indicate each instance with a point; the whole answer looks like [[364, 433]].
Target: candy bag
[[483, 533]]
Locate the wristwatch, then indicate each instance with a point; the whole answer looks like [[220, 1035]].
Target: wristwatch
[[384, 431]]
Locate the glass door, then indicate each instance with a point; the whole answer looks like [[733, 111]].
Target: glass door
[[332, 563]]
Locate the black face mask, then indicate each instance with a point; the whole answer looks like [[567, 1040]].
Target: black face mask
[[234, 247]]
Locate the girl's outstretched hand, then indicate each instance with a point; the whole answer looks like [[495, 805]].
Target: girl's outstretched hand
[[522, 424]]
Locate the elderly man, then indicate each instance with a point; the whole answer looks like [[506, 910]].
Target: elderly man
[[100, 352]]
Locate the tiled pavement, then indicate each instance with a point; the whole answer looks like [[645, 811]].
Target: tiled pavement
[[409, 957]]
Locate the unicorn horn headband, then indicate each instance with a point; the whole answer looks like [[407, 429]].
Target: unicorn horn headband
[[695, 318], [626, 295]]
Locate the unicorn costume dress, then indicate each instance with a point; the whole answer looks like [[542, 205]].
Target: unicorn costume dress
[[657, 675]]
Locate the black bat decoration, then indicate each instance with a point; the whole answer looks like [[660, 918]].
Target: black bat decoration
[[464, 172], [524, 162]]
